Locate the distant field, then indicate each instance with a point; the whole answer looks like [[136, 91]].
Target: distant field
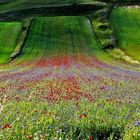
[[51, 37], [8, 37], [126, 23]]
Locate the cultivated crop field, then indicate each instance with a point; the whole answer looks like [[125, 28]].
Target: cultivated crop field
[[63, 86]]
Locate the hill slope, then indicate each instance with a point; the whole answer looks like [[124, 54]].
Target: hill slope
[[8, 37], [126, 24], [59, 38]]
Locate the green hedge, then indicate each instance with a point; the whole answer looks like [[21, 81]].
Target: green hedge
[[121, 1]]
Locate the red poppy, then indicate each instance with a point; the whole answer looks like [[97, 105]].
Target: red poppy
[[83, 115], [90, 138], [5, 126], [30, 137]]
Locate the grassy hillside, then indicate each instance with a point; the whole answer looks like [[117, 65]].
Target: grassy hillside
[[126, 24], [8, 37], [59, 36]]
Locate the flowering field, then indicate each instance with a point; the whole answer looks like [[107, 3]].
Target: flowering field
[[63, 87]]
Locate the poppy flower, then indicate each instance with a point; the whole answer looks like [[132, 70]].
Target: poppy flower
[[5, 126], [90, 138], [30, 137], [84, 115]]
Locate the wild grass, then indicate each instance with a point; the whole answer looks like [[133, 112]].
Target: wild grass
[[8, 38], [126, 24], [70, 120]]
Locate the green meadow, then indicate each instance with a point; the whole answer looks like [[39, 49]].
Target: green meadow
[[126, 24], [51, 36], [122, 20], [8, 38]]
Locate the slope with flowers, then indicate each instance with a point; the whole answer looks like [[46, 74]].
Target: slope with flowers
[[64, 87]]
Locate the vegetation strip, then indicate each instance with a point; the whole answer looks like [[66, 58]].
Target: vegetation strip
[[21, 39], [8, 38], [74, 9]]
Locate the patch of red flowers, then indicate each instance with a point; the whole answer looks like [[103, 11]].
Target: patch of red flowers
[[84, 115], [5, 126], [30, 137], [90, 138]]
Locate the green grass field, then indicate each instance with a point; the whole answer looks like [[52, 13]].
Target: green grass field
[[59, 36], [8, 38], [42, 40], [126, 24]]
